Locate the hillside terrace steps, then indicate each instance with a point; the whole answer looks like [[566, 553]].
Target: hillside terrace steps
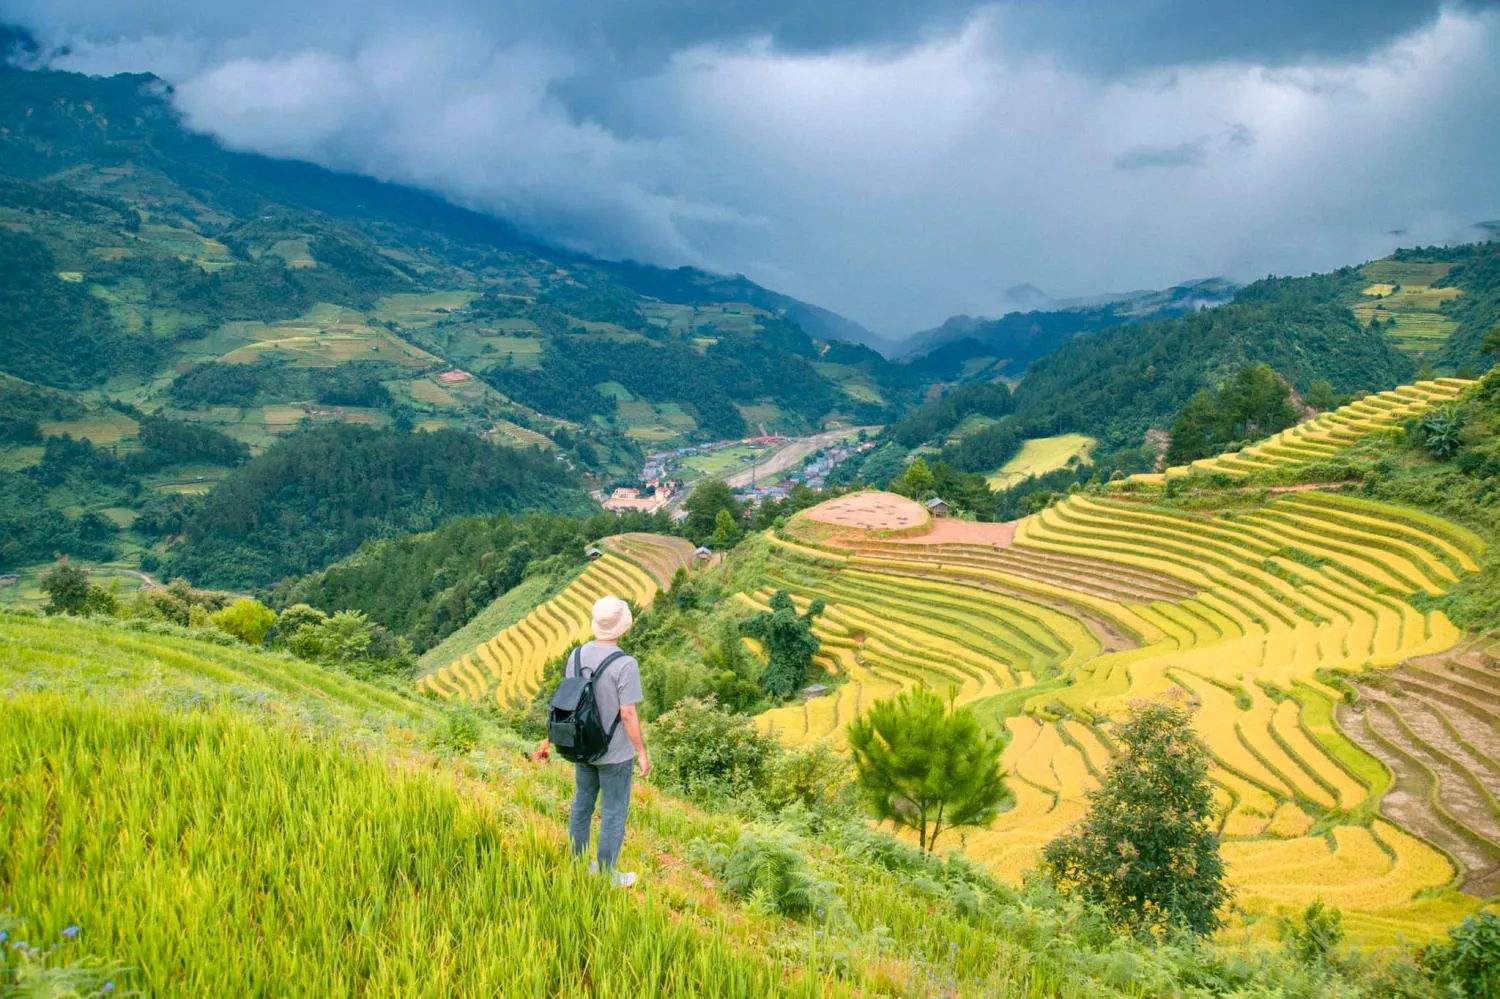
[[1328, 433], [509, 665]]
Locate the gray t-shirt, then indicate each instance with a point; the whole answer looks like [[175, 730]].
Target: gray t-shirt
[[621, 685]]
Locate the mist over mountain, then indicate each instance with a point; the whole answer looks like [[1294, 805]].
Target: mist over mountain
[[894, 163]]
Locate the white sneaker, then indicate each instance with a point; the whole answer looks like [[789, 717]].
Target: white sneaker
[[624, 879]]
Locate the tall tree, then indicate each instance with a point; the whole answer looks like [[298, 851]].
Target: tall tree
[[789, 643], [703, 507], [927, 765], [1146, 851]]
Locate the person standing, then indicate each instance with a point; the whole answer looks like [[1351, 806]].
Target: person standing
[[617, 691]]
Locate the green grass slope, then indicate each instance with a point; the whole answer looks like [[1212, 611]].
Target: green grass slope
[[228, 822]]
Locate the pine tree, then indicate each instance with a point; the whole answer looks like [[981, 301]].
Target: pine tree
[[927, 765]]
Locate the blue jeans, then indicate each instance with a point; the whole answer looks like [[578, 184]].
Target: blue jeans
[[613, 779]]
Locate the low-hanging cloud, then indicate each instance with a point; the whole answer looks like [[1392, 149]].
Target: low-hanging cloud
[[897, 162]]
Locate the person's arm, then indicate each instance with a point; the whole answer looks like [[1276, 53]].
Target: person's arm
[[632, 722]]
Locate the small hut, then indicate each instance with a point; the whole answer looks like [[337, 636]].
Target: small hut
[[938, 507]]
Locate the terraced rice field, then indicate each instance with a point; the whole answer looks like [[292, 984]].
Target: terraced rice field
[[508, 668], [1323, 437], [1403, 299], [1250, 612], [1435, 723], [1041, 455]]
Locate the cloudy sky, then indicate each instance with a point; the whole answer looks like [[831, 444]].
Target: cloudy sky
[[896, 160]]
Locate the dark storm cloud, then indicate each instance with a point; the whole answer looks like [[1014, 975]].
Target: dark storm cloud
[[894, 161], [1098, 35], [1132, 35]]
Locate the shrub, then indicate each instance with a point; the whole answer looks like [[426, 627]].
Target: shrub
[[1317, 936], [246, 619], [459, 734], [766, 869], [1145, 852], [1468, 962], [705, 754], [816, 777]]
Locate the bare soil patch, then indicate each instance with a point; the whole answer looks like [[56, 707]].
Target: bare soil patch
[[964, 532], [871, 512]]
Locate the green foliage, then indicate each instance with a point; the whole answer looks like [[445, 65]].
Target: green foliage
[[67, 589], [69, 592], [427, 586], [1441, 431], [817, 778], [789, 643], [1146, 852], [246, 619], [727, 532], [1467, 964], [321, 493], [176, 603], [459, 734], [165, 441], [703, 506], [1125, 379], [707, 755], [346, 641], [926, 765], [985, 450], [916, 482], [932, 421], [1316, 936], [766, 869], [31, 968], [1320, 395], [56, 333], [353, 383], [1255, 404]]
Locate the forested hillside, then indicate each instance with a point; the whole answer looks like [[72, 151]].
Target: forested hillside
[[132, 238], [322, 493], [1126, 379]]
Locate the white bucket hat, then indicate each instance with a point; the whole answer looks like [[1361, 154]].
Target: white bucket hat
[[611, 618]]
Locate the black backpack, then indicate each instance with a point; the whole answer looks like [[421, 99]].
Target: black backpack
[[573, 725]]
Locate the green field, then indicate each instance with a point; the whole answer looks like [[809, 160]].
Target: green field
[[646, 421], [421, 309], [725, 461], [1041, 455], [106, 426], [858, 385], [1401, 296], [326, 336]]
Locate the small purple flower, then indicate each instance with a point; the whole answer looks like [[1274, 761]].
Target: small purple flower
[[72, 931], [4, 936], [108, 988]]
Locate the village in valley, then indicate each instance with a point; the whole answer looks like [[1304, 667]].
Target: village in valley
[[759, 469]]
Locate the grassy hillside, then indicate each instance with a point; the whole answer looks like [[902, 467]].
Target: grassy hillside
[[204, 819]]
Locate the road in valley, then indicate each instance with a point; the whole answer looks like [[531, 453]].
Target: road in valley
[[789, 455]]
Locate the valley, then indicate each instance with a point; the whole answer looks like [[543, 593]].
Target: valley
[[308, 483]]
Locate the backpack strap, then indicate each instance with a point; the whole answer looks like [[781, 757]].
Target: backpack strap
[[594, 676]]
